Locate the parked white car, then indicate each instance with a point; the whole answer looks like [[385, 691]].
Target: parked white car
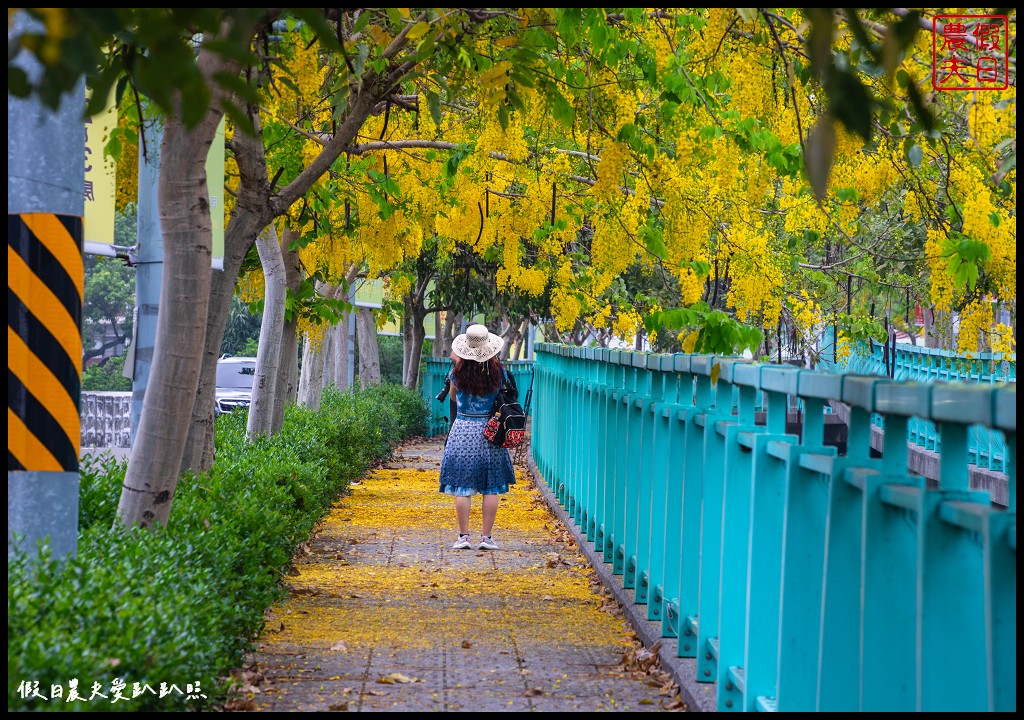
[[235, 376]]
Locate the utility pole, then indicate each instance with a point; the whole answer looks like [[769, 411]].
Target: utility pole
[[45, 279], [149, 270]]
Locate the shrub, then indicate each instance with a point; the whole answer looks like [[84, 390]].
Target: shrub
[[182, 605]]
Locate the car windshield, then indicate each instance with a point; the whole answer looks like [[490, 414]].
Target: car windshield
[[236, 375]]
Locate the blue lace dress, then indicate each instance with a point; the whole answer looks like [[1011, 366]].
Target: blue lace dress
[[470, 464]]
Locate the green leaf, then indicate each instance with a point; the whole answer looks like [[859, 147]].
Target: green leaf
[[599, 37], [972, 274], [434, 105], [847, 194], [851, 102], [914, 154], [1008, 164], [418, 30], [924, 114], [361, 22], [654, 242], [821, 145], [994, 219]]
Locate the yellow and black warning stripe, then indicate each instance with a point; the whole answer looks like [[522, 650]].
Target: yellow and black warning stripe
[[45, 277]]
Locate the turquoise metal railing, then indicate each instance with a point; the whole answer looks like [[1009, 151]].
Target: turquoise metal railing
[[434, 373], [920, 364], [797, 579]]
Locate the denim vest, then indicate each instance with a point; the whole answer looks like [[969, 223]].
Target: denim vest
[[474, 407]]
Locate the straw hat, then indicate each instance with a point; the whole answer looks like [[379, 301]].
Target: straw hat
[[477, 343]]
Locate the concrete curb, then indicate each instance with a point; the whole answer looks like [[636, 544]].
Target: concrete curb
[[699, 697]]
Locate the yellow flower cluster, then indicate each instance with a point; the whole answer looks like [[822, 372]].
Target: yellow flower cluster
[[312, 330], [566, 309], [940, 281], [806, 316], [251, 286], [752, 84], [989, 124], [1003, 340], [843, 347], [626, 325], [602, 317], [800, 210], [706, 41], [614, 157], [689, 340], [757, 278], [975, 321], [978, 209]]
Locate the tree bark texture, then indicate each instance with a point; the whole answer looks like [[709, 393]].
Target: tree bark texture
[[314, 360], [436, 351], [311, 385], [369, 351], [257, 204], [288, 383], [327, 349], [268, 357], [152, 475], [413, 331], [451, 322], [343, 351], [344, 345]]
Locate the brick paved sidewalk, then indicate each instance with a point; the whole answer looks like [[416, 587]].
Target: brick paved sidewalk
[[384, 616]]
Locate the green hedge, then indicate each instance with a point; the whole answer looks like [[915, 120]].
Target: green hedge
[[183, 605]]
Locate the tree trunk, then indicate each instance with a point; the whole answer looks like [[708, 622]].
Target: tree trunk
[[417, 334], [408, 337], [369, 351], [288, 383], [451, 321], [311, 387], [517, 351], [407, 342], [268, 357], [343, 352], [314, 360], [344, 347], [512, 338], [436, 349], [327, 350], [256, 206], [152, 475], [252, 213]]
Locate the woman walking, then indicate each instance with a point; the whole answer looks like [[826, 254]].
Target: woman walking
[[471, 465]]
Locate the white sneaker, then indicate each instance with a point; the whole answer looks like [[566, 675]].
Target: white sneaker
[[487, 543], [462, 544]]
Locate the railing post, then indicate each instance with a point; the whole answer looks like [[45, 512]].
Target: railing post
[[623, 464], [619, 464], [665, 506], [682, 518], [892, 503], [601, 391], [651, 486], [714, 423], [686, 621], [637, 491]]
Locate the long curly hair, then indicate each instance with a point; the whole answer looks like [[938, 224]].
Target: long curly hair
[[478, 378]]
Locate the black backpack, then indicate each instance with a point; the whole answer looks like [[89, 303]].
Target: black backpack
[[506, 427]]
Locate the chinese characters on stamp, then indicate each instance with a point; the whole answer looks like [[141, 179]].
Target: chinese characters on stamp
[[970, 52]]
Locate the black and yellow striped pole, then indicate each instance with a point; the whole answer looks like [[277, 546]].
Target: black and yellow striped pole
[[45, 207]]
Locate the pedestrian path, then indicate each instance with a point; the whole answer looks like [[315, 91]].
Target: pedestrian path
[[382, 615]]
